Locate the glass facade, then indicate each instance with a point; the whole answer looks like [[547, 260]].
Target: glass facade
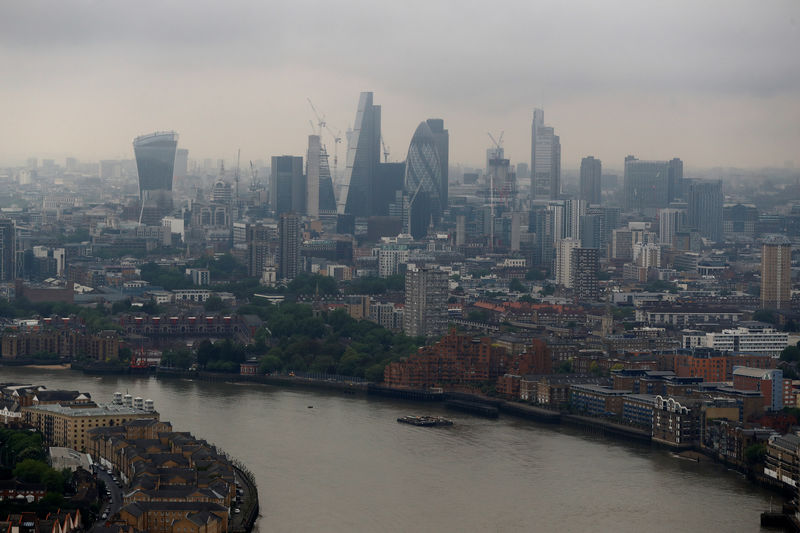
[[155, 164], [363, 156], [423, 181]]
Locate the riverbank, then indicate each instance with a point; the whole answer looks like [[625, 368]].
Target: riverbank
[[347, 465]]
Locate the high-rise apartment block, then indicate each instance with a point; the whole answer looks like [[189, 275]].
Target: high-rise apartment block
[[563, 269], [425, 312], [288, 246], [590, 184], [545, 159], [584, 265], [776, 273], [669, 224]]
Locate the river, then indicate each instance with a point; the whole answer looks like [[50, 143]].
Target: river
[[345, 464]]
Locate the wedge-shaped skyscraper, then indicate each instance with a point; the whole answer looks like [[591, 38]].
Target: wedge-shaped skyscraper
[[155, 163], [363, 156]]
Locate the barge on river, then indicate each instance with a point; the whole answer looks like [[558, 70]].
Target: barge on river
[[425, 421]]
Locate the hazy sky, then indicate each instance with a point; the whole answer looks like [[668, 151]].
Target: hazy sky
[[712, 82]]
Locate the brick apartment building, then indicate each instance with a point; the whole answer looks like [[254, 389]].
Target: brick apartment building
[[455, 361]]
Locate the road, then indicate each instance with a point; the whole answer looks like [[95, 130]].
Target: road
[[116, 497]]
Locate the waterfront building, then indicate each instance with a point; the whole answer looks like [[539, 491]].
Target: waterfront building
[[155, 164], [287, 185], [425, 312], [363, 156], [769, 382], [8, 250], [597, 400], [711, 365], [705, 208], [545, 159], [590, 180], [676, 421], [776, 273], [67, 425], [288, 246], [423, 181], [782, 461], [452, 362]]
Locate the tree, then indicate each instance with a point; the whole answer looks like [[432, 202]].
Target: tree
[[755, 453], [765, 315], [790, 353], [516, 285], [269, 364], [214, 303]]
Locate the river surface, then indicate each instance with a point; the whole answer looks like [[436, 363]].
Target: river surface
[[347, 465]]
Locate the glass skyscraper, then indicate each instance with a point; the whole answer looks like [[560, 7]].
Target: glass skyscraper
[[155, 164], [423, 181], [363, 155]]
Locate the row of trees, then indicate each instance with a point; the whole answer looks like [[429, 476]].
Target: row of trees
[[294, 339]]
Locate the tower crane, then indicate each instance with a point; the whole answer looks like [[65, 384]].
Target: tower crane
[[498, 143], [337, 137], [253, 178], [385, 151]]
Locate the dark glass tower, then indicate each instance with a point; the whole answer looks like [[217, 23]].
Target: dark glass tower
[[155, 164], [363, 156]]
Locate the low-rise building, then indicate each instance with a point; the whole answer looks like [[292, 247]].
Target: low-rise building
[[597, 400], [782, 461]]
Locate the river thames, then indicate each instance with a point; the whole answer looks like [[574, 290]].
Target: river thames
[[330, 462]]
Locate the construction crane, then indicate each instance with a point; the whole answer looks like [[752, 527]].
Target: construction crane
[[385, 151], [498, 150], [253, 178], [236, 181], [337, 137], [320, 119]]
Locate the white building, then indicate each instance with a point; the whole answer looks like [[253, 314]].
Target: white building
[[564, 261], [647, 255], [758, 340], [390, 257]]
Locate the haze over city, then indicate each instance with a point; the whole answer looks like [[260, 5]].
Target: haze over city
[[716, 82]]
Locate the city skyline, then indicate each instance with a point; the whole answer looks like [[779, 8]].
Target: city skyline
[[721, 97]]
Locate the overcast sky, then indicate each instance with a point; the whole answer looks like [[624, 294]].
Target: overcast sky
[[716, 83]]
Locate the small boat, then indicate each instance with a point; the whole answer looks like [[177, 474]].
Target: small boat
[[425, 421]]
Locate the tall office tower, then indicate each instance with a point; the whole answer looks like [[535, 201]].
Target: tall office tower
[[646, 185], [181, 163], [591, 180], [564, 261], [540, 223], [669, 224], [676, 187], [313, 167], [546, 160], [776, 273], [423, 181], [391, 177], [260, 241], [705, 208], [442, 140], [584, 265], [287, 185], [155, 164], [8, 249], [558, 209], [288, 246], [622, 244], [425, 312], [592, 230], [363, 156], [573, 211]]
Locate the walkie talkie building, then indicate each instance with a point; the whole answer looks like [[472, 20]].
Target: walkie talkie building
[[155, 163]]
